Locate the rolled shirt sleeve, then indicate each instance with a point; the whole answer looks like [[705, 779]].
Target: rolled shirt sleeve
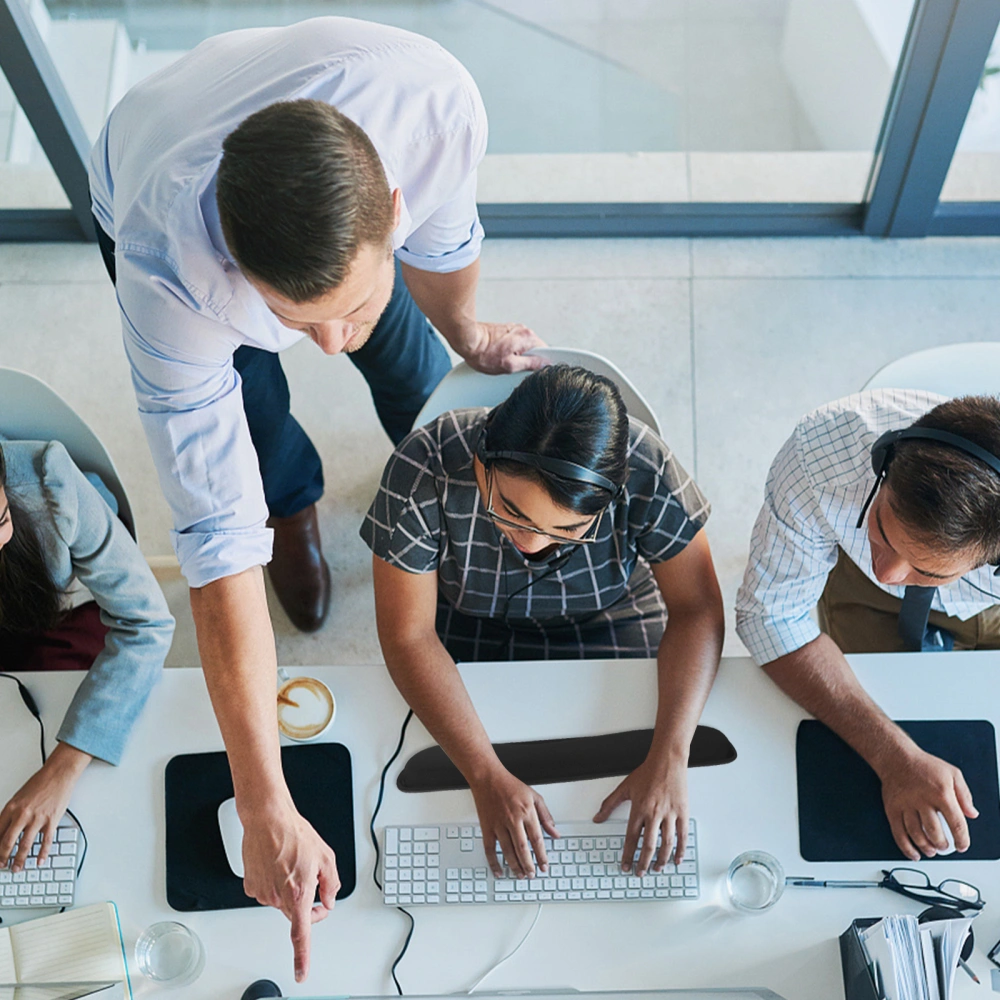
[[106, 560], [191, 408], [451, 239], [792, 551]]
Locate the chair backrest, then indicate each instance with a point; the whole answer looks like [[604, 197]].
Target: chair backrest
[[30, 410], [952, 370], [464, 386]]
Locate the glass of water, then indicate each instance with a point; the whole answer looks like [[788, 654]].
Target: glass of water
[[170, 954], [755, 882]]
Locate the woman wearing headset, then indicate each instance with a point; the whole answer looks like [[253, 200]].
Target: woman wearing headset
[[552, 527], [75, 593]]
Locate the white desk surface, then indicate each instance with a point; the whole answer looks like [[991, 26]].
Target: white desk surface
[[748, 804]]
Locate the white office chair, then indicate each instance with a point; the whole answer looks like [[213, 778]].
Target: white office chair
[[30, 410], [953, 370], [464, 386]]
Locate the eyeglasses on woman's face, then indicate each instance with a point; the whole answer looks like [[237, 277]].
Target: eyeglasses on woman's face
[[587, 535]]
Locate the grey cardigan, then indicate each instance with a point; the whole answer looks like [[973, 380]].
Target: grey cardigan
[[82, 538]]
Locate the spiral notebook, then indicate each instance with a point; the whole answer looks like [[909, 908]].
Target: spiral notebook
[[78, 953]]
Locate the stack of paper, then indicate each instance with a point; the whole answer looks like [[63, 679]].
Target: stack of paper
[[912, 961]]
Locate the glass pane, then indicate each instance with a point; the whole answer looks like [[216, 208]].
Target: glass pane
[[26, 179], [606, 100], [912, 878], [960, 890], [974, 174]]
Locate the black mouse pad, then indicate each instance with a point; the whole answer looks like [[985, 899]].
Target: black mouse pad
[[841, 817], [575, 758], [198, 874]]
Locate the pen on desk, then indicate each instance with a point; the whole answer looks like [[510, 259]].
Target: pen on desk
[[815, 883], [972, 975]]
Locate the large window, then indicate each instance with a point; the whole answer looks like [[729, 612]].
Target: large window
[[638, 116]]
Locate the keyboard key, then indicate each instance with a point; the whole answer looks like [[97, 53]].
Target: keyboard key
[[391, 841], [66, 834], [466, 832], [467, 844], [451, 832], [425, 833], [405, 834]]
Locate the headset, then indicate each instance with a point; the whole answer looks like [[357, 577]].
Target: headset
[[556, 466], [884, 449]]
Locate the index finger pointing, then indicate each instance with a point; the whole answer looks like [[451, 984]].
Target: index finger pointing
[[301, 930]]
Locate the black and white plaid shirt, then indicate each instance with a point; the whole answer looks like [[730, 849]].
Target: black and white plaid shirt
[[429, 516]]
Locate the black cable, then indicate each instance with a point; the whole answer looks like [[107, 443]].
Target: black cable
[[371, 830], [32, 707], [557, 564], [974, 587]]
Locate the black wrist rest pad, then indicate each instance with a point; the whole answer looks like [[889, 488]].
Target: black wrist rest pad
[[576, 758], [841, 815]]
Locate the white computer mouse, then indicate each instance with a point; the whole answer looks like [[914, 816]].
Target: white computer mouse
[[232, 835], [950, 849]]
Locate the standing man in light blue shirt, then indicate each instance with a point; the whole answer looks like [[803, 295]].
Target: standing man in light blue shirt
[[256, 191]]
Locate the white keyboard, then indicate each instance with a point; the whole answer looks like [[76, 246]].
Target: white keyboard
[[439, 865], [49, 883]]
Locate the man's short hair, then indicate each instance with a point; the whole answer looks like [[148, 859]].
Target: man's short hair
[[300, 190], [948, 499]]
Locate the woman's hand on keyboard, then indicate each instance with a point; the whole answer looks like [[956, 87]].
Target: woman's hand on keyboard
[[514, 814], [39, 804], [658, 793]]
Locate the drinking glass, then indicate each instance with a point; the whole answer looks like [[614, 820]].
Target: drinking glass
[[170, 954], [755, 882]]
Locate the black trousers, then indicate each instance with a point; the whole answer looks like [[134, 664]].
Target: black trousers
[[402, 362]]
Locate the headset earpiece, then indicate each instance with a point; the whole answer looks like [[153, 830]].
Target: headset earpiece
[[882, 452]]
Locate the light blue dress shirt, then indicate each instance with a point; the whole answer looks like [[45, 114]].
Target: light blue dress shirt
[[81, 538], [186, 307]]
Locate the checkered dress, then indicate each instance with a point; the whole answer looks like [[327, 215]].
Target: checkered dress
[[597, 600]]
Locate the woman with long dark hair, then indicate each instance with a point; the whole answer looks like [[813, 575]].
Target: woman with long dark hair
[[75, 592], [552, 527]]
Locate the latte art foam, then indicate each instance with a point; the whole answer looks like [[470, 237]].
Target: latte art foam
[[312, 712]]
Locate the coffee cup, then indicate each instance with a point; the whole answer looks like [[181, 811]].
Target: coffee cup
[[306, 707]]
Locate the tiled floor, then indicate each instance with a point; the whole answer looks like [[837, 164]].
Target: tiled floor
[[730, 341]]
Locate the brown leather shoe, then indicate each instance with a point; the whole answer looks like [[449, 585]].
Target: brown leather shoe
[[298, 571]]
